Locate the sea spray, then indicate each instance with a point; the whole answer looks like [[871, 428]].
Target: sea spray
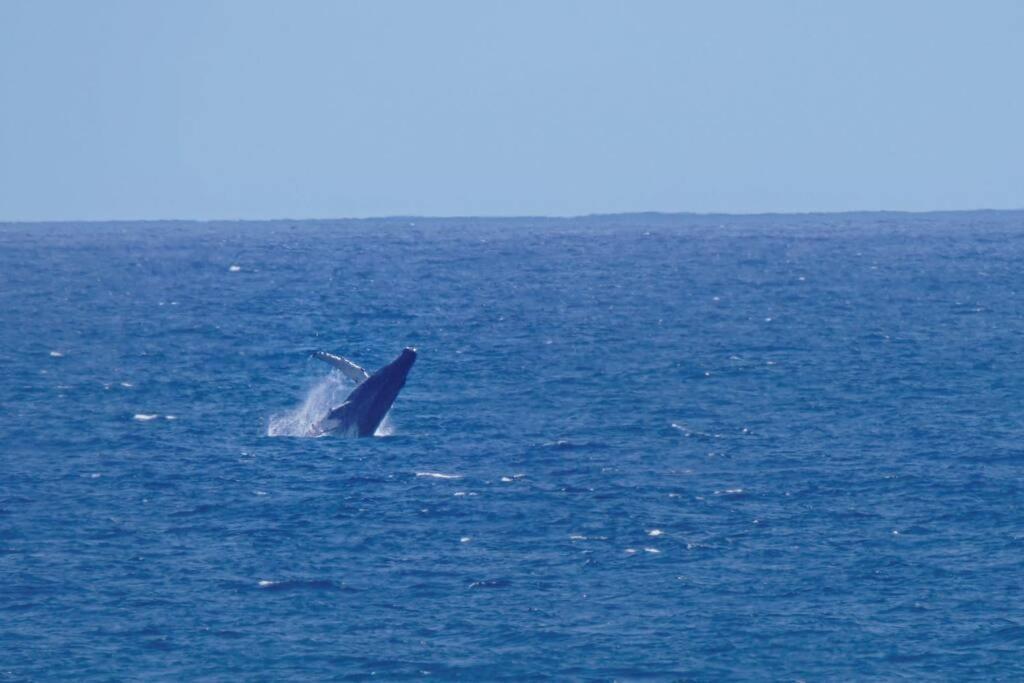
[[329, 392]]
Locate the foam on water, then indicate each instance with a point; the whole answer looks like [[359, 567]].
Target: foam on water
[[438, 475]]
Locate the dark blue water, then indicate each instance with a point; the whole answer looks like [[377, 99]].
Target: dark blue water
[[660, 447]]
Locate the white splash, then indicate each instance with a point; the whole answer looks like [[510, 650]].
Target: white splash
[[326, 394], [385, 428]]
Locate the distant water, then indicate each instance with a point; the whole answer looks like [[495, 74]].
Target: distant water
[[661, 447]]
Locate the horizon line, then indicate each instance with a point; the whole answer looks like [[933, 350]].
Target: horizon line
[[553, 217]]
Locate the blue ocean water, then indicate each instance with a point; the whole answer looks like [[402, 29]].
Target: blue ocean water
[[633, 447]]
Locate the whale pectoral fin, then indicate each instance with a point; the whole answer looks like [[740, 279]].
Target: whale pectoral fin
[[340, 420], [332, 421], [347, 367], [340, 413]]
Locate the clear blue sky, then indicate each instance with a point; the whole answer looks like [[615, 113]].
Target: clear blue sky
[[327, 108]]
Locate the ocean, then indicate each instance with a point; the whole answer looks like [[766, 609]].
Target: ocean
[[637, 447]]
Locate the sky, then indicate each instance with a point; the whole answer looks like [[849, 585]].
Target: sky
[[207, 109]]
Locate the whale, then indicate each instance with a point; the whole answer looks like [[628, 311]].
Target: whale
[[367, 405]]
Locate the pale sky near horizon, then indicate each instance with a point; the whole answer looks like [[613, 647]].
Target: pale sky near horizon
[[135, 109]]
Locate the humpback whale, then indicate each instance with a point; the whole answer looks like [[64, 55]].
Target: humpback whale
[[370, 401]]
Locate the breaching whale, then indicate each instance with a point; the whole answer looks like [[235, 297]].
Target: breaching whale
[[370, 401]]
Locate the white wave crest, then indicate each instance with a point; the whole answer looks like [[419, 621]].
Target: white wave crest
[[438, 475]]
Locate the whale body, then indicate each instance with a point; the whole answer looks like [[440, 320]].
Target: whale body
[[364, 409]]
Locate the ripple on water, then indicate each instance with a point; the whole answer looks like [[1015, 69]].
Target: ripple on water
[[777, 557]]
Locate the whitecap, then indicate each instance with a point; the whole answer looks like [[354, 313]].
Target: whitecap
[[465, 539], [655, 532], [729, 492], [56, 354], [653, 551], [234, 269], [170, 417], [438, 475], [144, 417]]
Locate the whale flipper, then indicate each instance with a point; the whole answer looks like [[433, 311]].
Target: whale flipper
[[347, 367]]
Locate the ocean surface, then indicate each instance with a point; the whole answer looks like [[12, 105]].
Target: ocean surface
[[644, 447]]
